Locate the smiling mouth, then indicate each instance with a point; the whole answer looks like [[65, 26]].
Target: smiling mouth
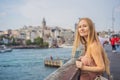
[[82, 32]]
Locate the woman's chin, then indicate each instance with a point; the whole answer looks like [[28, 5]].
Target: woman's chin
[[82, 35]]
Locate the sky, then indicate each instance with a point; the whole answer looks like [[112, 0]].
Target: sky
[[14, 14]]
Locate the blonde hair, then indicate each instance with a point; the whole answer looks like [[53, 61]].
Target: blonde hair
[[92, 36]]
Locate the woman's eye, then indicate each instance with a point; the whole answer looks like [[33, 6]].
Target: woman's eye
[[84, 26]]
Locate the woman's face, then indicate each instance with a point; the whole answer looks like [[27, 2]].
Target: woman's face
[[83, 28]]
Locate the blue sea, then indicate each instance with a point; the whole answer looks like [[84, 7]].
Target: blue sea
[[28, 64]]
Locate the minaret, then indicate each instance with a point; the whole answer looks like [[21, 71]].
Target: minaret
[[43, 27]]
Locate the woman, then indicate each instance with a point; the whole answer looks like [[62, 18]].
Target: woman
[[94, 61]]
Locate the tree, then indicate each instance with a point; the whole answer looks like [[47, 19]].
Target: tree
[[13, 41], [38, 41], [45, 44], [28, 42]]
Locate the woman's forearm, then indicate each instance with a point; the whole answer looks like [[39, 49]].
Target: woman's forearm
[[93, 69]]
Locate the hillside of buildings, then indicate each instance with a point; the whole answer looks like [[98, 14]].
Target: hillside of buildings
[[41, 36], [37, 36]]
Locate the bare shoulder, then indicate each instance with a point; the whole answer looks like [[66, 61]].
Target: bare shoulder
[[95, 48]]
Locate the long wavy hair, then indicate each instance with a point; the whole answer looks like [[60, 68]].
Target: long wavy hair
[[92, 36]]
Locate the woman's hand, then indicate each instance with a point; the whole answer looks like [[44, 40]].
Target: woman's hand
[[79, 59], [79, 64]]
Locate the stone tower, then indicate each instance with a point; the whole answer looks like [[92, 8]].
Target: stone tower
[[44, 23], [43, 28]]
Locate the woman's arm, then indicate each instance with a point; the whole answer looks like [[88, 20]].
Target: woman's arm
[[96, 54]]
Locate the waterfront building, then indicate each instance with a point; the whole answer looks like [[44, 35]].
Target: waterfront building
[[5, 41], [15, 33], [68, 36]]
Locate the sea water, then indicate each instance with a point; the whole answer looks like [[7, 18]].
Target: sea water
[[28, 64]]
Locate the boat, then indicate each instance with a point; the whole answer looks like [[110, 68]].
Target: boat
[[55, 62], [66, 46], [4, 49]]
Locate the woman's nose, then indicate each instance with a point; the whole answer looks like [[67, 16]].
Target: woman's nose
[[82, 28]]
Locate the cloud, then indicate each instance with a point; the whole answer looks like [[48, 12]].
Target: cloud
[[33, 9], [2, 14], [117, 9], [54, 13]]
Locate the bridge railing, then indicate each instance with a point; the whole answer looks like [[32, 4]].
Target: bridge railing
[[68, 71]]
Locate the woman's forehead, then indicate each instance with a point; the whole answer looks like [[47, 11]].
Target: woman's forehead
[[82, 22]]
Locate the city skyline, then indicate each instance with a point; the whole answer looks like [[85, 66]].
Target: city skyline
[[64, 13]]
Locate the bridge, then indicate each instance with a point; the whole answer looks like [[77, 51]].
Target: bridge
[[69, 71]]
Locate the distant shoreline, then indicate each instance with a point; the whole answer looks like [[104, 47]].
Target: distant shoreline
[[31, 47], [28, 47]]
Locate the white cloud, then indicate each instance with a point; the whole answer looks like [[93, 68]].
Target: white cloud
[[117, 9], [54, 13], [33, 9], [63, 13], [3, 14]]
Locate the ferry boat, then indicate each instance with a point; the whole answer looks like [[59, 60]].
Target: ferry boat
[[66, 46], [54, 62], [4, 49]]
